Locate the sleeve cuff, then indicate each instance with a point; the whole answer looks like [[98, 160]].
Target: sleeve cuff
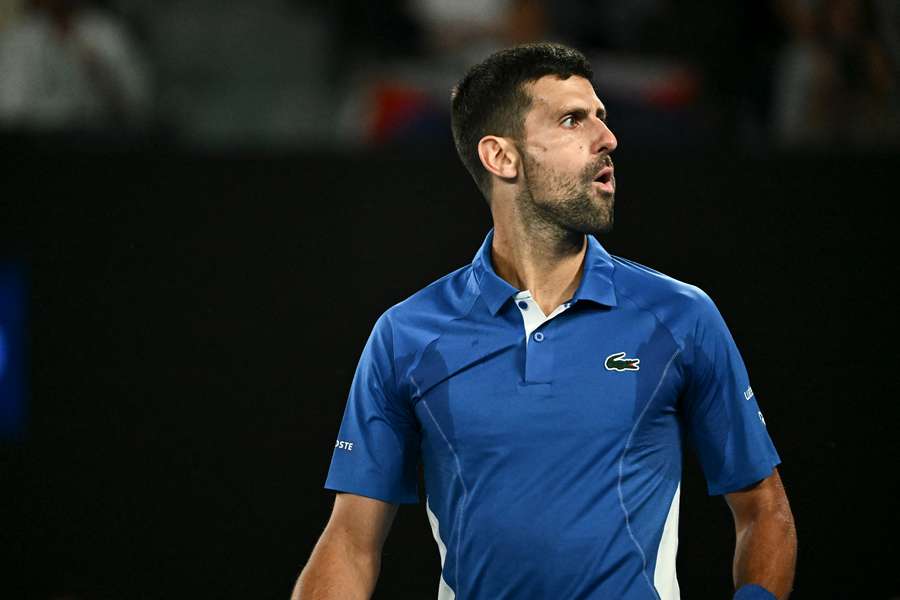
[[377, 493], [751, 591], [746, 479]]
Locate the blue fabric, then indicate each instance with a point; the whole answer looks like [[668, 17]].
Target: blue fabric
[[751, 591], [550, 467]]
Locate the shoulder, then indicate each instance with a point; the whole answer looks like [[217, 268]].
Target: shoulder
[[678, 305], [444, 297], [425, 313], [646, 286]]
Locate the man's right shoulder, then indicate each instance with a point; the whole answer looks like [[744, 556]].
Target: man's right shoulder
[[422, 317], [447, 298], [404, 331]]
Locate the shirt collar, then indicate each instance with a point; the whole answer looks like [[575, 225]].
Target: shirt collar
[[596, 279]]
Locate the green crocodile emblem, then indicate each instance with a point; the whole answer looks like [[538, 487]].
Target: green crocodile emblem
[[618, 362]]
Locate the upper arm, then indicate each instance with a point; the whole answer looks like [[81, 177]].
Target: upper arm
[[765, 497], [722, 416], [380, 431], [361, 521]]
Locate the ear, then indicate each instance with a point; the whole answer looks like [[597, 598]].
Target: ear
[[499, 156]]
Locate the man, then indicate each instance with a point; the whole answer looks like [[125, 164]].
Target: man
[[547, 386]]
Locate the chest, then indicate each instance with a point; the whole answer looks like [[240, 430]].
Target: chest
[[581, 379]]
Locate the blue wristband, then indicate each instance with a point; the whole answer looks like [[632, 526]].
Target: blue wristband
[[751, 591]]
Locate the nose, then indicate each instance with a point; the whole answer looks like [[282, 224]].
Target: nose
[[605, 140]]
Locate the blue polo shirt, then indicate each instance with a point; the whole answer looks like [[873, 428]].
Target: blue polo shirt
[[551, 444]]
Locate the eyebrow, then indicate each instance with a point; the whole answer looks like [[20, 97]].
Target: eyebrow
[[581, 113]]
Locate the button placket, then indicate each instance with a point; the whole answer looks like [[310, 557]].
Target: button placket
[[539, 358]]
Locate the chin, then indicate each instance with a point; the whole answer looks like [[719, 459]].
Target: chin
[[604, 224], [596, 226], [602, 229]]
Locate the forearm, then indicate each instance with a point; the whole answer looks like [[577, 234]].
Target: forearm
[[766, 552], [337, 571]]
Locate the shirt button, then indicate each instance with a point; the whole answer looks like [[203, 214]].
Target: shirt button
[[538, 336], [523, 305]]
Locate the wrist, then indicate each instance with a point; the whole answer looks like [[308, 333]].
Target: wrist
[[751, 591]]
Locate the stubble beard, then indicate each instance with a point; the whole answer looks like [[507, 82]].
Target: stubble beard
[[567, 203]]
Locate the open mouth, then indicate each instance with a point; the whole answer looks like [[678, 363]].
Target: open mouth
[[604, 178]]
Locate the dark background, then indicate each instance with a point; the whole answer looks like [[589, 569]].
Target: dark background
[[195, 320]]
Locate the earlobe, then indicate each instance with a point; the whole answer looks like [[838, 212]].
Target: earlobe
[[498, 157]]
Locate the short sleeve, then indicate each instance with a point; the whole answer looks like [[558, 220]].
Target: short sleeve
[[723, 419], [377, 450]]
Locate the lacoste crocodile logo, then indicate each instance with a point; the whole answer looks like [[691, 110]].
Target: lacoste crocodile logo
[[618, 362]]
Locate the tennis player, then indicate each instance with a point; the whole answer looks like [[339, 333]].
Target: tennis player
[[548, 388]]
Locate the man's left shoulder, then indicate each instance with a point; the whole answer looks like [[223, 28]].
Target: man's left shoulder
[[652, 290]]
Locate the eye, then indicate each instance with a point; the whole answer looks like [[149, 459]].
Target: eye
[[569, 121]]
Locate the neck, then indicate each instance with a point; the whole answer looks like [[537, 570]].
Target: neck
[[545, 260]]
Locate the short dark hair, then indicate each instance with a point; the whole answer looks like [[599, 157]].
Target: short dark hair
[[491, 99]]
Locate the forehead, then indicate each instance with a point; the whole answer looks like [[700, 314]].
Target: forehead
[[550, 94]]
